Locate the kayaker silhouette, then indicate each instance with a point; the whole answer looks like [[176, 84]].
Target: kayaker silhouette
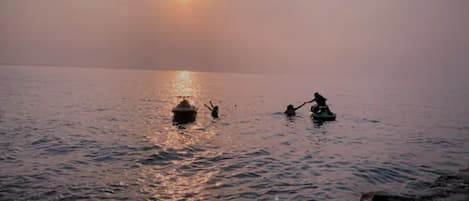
[[184, 112], [321, 103]]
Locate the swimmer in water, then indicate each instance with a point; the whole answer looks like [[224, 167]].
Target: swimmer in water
[[291, 109], [213, 109]]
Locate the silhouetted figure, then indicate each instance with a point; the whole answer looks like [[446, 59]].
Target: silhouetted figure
[[184, 112], [319, 99], [321, 103], [291, 109], [214, 109]]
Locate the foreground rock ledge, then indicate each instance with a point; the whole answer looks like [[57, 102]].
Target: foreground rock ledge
[[446, 188]]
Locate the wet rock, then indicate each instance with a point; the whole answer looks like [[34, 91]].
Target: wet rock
[[454, 187], [383, 196]]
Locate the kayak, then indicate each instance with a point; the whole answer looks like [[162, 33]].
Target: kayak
[[324, 116], [322, 113], [184, 113]]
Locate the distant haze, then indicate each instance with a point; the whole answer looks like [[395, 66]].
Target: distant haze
[[273, 36]]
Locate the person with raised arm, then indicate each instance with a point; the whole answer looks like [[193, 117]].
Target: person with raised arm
[[213, 109], [291, 109]]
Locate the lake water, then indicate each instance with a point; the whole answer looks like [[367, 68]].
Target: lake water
[[100, 134]]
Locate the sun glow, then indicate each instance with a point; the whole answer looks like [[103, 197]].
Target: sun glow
[[184, 1]]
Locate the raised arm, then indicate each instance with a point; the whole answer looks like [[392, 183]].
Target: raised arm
[[208, 107], [211, 104]]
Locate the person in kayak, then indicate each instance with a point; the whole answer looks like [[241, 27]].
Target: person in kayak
[[184, 104], [291, 109], [321, 102], [213, 109]]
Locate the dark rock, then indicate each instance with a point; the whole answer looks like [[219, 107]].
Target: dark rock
[[465, 170], [453, 187], [383, 196]]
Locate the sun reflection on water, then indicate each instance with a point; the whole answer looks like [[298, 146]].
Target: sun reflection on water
[[185, 84], [180, 176], [177, 184], [174, 138], [176, 174]]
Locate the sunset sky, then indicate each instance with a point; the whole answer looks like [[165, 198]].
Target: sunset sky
[[272, 36]]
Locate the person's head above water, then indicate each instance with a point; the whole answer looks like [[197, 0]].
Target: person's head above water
[[290, 110], [215, 108]]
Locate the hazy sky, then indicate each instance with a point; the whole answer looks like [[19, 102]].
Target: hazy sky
[[239, 35]]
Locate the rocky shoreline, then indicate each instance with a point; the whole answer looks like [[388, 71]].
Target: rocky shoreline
[[453, 187]]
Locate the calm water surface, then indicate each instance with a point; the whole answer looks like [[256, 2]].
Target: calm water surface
[[96, 134]]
